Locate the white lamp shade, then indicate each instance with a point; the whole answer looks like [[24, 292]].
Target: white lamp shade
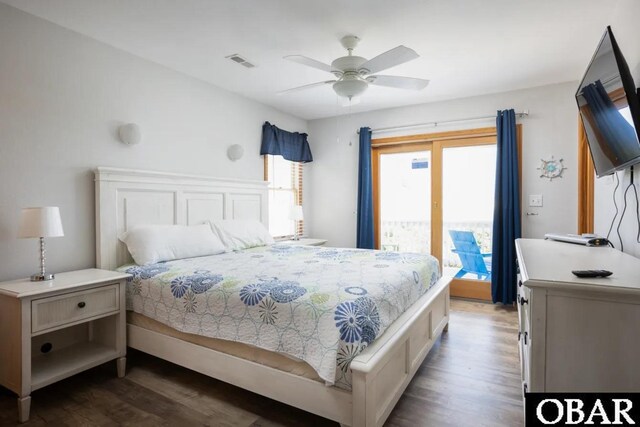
[[350, 87], [40, 222], [296, 213]]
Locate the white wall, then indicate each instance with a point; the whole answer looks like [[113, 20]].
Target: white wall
[[625, 29], [62, 97], [551, 129]]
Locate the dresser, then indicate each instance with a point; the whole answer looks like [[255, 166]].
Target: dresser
[[577, 335], [53, 329]]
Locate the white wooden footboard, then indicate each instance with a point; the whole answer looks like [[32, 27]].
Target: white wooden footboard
[[382, 372]]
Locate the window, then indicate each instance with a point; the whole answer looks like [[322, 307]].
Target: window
[[285, 191]]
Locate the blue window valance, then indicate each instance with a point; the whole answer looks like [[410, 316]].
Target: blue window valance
[[292, 146]]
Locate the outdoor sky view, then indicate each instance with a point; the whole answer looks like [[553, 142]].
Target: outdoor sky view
[[406, 192]]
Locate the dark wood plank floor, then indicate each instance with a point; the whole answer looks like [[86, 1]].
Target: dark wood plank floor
[[470, 378]]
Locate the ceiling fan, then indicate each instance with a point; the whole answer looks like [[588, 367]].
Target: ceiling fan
[[355, 73]]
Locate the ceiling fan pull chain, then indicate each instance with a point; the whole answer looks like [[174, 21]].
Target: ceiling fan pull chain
[[349, 117]]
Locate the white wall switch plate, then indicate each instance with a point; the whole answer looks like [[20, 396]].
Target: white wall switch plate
[[535, 200]]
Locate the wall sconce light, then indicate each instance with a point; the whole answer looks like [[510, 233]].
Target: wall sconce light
[[130, 134], [235, 152]]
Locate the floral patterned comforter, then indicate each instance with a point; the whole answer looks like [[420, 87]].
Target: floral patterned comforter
[[320, 305]]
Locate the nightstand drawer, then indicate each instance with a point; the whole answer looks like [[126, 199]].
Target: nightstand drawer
[[48, 313]]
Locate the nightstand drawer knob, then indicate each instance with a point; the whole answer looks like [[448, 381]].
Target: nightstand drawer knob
[[81, 304]]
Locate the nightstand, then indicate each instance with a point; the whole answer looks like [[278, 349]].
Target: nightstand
[[304, 241], [54, 329]]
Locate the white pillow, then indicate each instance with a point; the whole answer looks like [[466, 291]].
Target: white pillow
[[238, 234], [149, 244]]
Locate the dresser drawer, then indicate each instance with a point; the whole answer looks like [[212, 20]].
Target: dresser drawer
[[48, 313]]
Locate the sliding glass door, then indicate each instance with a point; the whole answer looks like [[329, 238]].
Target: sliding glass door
[[437, 197], [468, 187], [405, 200]]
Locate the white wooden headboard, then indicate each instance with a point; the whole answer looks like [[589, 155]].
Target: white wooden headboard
[[125, 198]]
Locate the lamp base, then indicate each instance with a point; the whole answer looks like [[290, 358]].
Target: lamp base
[[42, 277]]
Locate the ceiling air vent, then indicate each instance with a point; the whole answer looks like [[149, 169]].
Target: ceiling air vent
[[240, 60]]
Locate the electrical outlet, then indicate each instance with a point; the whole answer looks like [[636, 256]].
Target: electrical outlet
[[535, 200]]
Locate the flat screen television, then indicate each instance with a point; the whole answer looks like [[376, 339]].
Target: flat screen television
[[609, 109]]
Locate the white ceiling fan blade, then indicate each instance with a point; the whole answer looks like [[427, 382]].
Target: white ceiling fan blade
[[309, 86], [391, 58], [309, 62], [398, 82]]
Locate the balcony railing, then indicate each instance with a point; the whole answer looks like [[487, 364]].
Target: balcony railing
[[415, 236]]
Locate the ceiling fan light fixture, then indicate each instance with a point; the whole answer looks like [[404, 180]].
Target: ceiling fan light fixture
[[350, 87], [355, 73]]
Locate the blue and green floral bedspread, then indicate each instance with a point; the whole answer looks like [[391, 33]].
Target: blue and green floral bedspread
[[320, 305]]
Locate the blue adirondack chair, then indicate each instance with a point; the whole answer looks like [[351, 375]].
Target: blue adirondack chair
[[473, 261]]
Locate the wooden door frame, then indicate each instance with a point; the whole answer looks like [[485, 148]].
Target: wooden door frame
[[435, 143], [587, 171], [586, 184]]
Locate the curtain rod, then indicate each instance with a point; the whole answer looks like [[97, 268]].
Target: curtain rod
[[521, 114]]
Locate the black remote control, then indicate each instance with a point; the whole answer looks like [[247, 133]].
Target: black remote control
[[592, 273]]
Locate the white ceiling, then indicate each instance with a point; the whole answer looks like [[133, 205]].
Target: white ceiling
[[467, 47]]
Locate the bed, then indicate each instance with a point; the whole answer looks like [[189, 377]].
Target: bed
[[302, 299]]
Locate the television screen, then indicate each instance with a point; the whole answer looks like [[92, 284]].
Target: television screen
[[609, 109]]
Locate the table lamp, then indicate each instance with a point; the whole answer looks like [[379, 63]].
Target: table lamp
[[40, 223], [296, 214]]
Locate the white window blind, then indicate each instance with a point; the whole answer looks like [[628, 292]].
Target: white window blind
[[285, 191]]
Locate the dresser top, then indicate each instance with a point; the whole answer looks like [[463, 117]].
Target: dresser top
[[546, 263], [63, 281]]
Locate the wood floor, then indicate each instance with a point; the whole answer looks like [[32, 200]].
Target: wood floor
[[470, 378]]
